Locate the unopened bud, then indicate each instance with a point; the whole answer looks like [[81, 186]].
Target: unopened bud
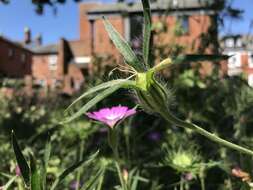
[[152, 95], [125, 174]]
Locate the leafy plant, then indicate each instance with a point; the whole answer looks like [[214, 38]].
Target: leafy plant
[[34, 175], [152, 95]]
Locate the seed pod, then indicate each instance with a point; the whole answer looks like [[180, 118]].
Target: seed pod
[[153, 97]]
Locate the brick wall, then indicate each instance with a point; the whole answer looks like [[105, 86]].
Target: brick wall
[[42, 73], [198, 25], [15, 61], [85, 29]]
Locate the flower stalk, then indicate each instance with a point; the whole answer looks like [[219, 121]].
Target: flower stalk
[[113, 143], [180, 123], [154, 98]]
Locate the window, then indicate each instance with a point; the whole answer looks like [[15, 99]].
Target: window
[[93, 35], [229, 42], [52, 61], [11, 53], [234, 61], [183, 22], [175, 3], [250, 80], [238, 43], [250, 60], [23, 57], [41, 82]]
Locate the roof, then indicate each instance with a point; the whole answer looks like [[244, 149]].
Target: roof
[[16, 44], [245, 42], [159, 5], [47, 49]]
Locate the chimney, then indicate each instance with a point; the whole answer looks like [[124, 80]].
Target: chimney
[[27, 35], [38, 40]]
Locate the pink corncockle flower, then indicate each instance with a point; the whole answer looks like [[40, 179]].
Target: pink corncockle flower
[[111, 116], [17, 171]]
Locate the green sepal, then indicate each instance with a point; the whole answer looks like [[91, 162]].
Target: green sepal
[[123, 47]]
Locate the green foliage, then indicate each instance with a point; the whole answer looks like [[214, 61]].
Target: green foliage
[[147, 32], [22, 163], [30, 173], [151, 154]]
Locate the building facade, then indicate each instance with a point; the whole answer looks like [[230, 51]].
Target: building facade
[[240, 48], [64, 65], [53, 67], [196, 18]]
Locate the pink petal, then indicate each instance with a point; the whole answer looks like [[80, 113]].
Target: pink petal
[[110, 116], [130, 112]]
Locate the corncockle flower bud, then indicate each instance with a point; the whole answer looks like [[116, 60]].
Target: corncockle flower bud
[[153, 96], [125, 174], [188, 176], [17, 171], [74, 185]]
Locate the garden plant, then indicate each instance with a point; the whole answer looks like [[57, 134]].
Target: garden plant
[[176, 159]]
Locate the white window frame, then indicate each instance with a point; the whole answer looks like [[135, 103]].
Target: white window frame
[[23, 57], [230, 42], [239, 42], [235, 60], [10, 52], [52, 62], [250, 80], [250, 59]]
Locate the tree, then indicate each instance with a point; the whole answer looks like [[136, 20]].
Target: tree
[[41, 3]]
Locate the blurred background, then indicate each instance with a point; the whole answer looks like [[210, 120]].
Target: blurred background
[[52, 51]]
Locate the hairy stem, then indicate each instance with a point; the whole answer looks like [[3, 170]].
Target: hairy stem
[[180, 123]]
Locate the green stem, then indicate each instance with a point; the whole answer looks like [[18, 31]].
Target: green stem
[[113, 143], [100, 183], [78, 177], [202, 181], [180, 123], [181, 183]]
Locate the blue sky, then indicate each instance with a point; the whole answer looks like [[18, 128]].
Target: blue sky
[[20, 13]]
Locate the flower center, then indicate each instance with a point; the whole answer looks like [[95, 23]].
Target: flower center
[[112, 117]]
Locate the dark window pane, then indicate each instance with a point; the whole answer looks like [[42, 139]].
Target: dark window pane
[[184, 23]]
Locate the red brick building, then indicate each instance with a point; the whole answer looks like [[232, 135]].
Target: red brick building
[[52, 66], [15, 60], [66, 63], [195, 17]]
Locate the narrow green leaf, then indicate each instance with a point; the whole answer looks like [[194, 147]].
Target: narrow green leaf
[[47, 153], [147, 31], [96, 89], [97, 99], [35, 176], [123, 47], [135, 181], [9, 183], [22, 163], [95, 180], [73, 168]]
